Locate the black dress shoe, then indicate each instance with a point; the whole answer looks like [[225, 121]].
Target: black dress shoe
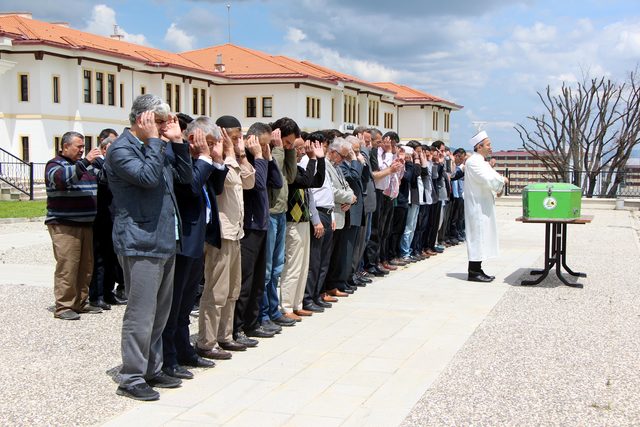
[[313, 307], [365, 279], [347, 290], [284, 321], [177, 371], [232, 346], [138, 392], [162, 380], [490, 277], [475, 276], [322, 304], [260, 332], [375, 271], [269, 326], [115, 300], [245, 340], [214, 353], [100, 303], [199, 362]]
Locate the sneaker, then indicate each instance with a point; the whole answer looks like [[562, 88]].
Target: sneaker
[[68, 315], [162, 380], [90, 309], [260, 332], [268, 325], [243, 339], [140, 391], [284, 321]]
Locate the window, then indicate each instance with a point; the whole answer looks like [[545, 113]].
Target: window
[[25, 148], [99, 88], [55, 84], [121, 95], [176, 107], [313, 107], [195, 103], [88, 143], [333, 109], [446, 122], [23, 80], [203, 102], [57, 145], [435, 120], [173, 96], [267, 107], [169, 94], [388, 120], [143, 90], [111, 89], [251, 107], [350, 108], [86, 84], [374, 116]]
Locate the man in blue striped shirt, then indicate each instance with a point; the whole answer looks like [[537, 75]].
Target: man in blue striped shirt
[[72, 189]]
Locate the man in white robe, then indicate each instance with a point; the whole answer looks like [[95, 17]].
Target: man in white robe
[[481, 183]]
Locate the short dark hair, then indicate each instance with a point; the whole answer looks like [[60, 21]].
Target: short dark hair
[[361, 129], [287, 127], [317, 136], [413, 144], [104, 133], [258, 129], [184, 120], [374, 132], [392, 135], [459, 151], [437, 145]]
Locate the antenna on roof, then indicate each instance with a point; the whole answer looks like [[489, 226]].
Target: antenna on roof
[[115, 34], [229, 21]]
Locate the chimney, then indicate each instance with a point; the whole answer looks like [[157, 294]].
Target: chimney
[[115, 34], [219, 67], [20, 14]]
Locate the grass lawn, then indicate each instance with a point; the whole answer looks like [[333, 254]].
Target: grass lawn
[[19, 209]]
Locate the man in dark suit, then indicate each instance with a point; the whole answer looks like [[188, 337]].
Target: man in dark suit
[[205, 145], [146, 234]]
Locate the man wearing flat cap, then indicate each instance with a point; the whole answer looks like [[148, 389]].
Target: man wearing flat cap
[[481, 182]]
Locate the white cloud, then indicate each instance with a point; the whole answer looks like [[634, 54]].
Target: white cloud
[[178, 39], [102, 22], [295, 35], [539, 33]]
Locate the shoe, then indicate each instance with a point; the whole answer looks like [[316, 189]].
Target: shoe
[[177, 371], [284, 321], [397, 263], [490, 277], [364, 279], [303, 312], [292, 316], [269, 326], [260, 332], [384, 270], [328, 298], [140, 391], [347, 290], [320, 303], [356, 283], [100, 304], [162, 380], [243, 339], [430, 252], [475, 276], [408, 260], [67, 315], [89, 309], [438, 248], [337, 293], [314, 308], [375, 271], [199, 362], [232, 345], [214, 353], [115, 300], [389, 266]]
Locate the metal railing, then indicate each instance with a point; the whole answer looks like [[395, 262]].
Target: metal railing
[[17, 173], [628, 182]]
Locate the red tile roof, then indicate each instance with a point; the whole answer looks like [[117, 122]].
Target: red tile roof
[[408, 94]]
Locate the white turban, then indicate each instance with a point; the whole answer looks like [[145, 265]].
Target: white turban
[[480, 136], [407, 149]]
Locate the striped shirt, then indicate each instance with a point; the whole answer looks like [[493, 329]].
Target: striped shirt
[[71, 192]]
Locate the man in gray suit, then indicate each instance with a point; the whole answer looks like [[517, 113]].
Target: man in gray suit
[[146, 234]]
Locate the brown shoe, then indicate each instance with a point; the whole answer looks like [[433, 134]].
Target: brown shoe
[[214, 353], [389, 266], [293, 316], [337, 293], [303, 312], [431, 253], [328, 298]]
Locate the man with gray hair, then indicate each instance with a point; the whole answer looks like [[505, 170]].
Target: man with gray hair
[[146, 234], [71, 209]]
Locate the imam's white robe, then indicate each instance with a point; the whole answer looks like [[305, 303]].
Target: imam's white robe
[[481, 183]]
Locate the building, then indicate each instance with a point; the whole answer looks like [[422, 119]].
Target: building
[[56, 79], [520, 167]]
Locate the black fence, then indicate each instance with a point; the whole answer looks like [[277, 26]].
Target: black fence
[[622, 184], [16, 173]]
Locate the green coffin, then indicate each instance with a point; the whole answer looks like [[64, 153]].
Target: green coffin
[[552, 200]]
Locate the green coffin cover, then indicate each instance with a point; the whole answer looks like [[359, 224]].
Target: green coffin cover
[[551, 200]]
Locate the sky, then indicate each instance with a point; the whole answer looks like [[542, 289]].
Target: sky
[[491, 56]]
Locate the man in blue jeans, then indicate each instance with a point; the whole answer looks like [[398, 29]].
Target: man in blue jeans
[[285, 132]]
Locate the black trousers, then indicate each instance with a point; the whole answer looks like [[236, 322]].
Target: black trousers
[[419, 237], [443, 232], [319, 260], [432, 225], [372, 250], [457, 217], [253, 257], [386, 218], [340, 268], [397, 228], [361, 244], [176, 347], [106, 268]]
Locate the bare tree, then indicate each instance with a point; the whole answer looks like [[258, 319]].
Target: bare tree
[[587, 129]]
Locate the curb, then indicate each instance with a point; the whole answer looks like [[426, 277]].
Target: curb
[[19, 220]]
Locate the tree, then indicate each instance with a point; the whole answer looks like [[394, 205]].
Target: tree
[[587, 130]]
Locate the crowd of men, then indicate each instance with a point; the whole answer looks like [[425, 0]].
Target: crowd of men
[[258, 230]]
